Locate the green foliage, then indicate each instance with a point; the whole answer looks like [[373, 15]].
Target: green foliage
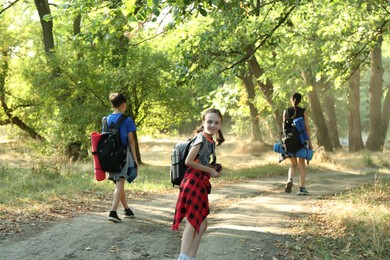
[[170, 72]]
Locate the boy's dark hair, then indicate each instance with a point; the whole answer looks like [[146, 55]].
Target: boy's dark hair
[[117, 99]]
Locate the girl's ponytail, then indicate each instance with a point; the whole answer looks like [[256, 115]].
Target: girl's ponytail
[[296, 98], [220, 138]]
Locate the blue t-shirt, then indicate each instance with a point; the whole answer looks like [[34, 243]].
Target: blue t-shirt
[[127, 126]]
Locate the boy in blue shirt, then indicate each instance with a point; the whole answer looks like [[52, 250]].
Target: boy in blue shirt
[[118, 102]]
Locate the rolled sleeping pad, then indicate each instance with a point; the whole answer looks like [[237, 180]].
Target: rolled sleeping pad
[[300, 126], [100, 175], [303, 153]]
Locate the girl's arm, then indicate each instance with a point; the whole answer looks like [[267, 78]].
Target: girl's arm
[[132, 147], [190, 162]]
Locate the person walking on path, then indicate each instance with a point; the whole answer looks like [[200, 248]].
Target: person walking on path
[[193, 203], [297, 163], [118, 102]]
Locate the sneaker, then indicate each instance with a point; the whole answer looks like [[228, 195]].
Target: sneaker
[[114, 217], [288, 186], [129, 213], [302, 191]]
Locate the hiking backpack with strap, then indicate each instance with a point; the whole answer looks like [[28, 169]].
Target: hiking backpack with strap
[[179, 155], [110, 150], [290, 135]]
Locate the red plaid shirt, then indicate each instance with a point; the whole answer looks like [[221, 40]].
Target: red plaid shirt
[[193, 201]]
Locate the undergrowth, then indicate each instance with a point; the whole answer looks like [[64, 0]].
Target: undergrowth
[[354, 225]]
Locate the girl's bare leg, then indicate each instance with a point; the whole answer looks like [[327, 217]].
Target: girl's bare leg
[[197, 238]]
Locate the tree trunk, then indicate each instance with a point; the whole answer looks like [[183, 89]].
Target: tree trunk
[[322, 133], [77, 25], [267, 90], [47, 26], [375, 135], [137, 151], [355, 139], [247, 80], [385, 116], [331, 116]]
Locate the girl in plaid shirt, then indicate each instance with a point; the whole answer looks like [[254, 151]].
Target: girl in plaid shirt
[[193, 203]]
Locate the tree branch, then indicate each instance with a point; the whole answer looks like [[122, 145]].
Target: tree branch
[[9, 6], [264, 38]]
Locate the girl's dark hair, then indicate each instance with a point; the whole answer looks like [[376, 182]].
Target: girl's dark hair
[[220, 138], [296, 99], [117, 99]]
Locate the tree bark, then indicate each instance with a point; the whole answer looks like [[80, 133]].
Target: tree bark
[[137, 151], [77, 25], [267, 89], [331, 116], [322, 133], [374, 140], [355, 139], [247, 80], [385, 116], [47, 26]]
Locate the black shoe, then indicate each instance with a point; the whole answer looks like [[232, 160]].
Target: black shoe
[[302, 191], [114, 217], [288, 186], [129, 213]]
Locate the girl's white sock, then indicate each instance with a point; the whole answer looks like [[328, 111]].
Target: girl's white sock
[[183, 256]]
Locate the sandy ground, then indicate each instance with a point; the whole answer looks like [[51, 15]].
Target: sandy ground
[[249, 220]]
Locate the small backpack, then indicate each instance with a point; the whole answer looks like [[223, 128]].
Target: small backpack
[[110, 150], [290, 136], [178, 157]]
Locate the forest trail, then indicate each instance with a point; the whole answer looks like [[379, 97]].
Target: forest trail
[[249, 220]]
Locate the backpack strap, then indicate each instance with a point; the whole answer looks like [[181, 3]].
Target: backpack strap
[[107, 128], [119, 122]]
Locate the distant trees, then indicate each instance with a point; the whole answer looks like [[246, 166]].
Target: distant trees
[[60, 62]]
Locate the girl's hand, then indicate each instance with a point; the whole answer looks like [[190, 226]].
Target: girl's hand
[[217, 167], [214, 173]]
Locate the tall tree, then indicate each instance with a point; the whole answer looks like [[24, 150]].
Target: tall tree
[[330, 115], [247, 80], [44, 12], [267, 88], [322, 133], [375, 139], [355, 139]]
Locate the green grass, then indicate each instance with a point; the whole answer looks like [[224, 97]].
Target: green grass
[[40, 183]]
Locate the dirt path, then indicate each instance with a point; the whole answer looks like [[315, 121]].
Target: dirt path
[[249, 220]]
